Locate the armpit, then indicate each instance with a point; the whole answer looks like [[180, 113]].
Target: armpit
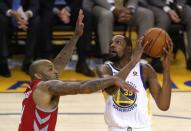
[[148, 72]]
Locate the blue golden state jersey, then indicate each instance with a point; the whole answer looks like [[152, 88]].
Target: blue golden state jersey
[[125, 108]]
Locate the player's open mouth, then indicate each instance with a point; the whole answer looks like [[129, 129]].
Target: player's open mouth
[[112, 52]]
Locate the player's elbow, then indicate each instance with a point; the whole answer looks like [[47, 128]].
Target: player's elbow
[[164, 108]]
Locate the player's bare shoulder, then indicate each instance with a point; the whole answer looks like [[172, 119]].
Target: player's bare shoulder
[[43, 88], [42, 97], [47, 86]]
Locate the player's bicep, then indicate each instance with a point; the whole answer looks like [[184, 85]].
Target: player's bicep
[[56, 87]]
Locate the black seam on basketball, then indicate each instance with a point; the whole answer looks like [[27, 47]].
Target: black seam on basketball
[[162, 48], [147, 47], [149, 32], [154, 42], [165, 44]]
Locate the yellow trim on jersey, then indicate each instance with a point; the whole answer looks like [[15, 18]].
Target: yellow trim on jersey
[[149, 106], [105, 95], [118, 97]]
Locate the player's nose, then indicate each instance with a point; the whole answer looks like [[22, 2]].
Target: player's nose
[[112, 45]]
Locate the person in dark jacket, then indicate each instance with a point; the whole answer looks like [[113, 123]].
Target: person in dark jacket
[[18, 14], [65, 12]]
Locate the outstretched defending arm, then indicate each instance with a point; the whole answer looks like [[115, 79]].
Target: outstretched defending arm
[[57, 88], [63, 57]]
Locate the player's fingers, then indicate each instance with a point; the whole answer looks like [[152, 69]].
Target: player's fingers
[[82, 25], [171, 45], [165, 51], [146, 43], [133, 90], [130, 88], [141, 40], [81, 15]]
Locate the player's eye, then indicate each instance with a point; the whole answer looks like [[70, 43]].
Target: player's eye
[[118, 42]]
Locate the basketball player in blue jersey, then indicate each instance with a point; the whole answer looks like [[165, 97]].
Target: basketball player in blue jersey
[[127, 111]]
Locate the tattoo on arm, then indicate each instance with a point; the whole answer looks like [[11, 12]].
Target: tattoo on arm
[[124, 72], [63, 57], [56, 87]]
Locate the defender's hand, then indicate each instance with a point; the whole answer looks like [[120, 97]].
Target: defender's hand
[[125, 86], [79, 24], [138, 51]]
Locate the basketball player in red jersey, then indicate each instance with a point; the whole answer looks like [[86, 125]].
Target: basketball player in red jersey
[[126, 111], [40, 106]]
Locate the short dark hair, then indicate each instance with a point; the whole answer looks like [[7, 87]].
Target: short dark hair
[[128, 41]]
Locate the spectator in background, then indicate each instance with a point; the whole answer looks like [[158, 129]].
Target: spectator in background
[[173, 11], [18, 14], [189, 2], [107, 12], [65, 12]]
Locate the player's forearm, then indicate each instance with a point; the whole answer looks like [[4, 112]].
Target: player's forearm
[[97, 84], [85, 87], [65, 54], [165, 93], [124, 72]]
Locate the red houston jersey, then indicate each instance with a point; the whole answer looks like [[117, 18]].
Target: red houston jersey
[[33, 118]]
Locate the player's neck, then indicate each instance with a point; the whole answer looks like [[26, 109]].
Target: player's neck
[[121, 63]]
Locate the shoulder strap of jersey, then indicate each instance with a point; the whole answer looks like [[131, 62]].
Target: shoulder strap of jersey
[[33, 84]]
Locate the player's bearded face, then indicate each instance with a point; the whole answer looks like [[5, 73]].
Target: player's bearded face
[[115, 54], [117, 48], [48, 76]]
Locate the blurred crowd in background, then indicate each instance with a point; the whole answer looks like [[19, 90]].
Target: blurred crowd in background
[[38, 17]]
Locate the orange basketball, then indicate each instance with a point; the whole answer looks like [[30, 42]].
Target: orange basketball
[[158, 39]]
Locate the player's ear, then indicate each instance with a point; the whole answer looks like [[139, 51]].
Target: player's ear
[[38, 75]]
